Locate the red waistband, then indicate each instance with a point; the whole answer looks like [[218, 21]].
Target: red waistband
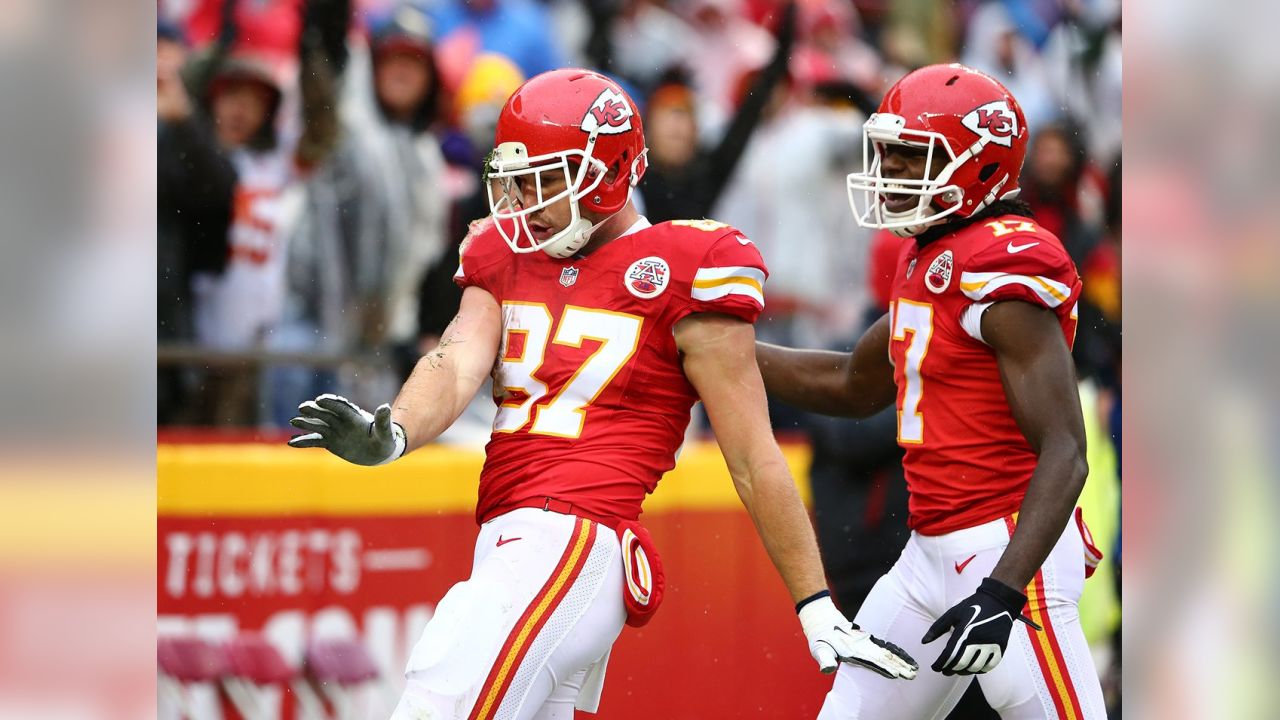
[[550, 504]]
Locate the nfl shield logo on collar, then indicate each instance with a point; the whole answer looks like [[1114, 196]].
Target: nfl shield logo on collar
[[568, 276]]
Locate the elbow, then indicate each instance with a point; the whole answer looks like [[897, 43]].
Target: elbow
[[1076, 466], [860, 408], [1079, 469], [856, 410], [746, 489], [1065, 465], [742, 483], [859, 398], [1064, 457], [756, 479]]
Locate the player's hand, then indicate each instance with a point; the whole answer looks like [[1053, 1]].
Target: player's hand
[[340, 426], [833, 640], [982, 625]]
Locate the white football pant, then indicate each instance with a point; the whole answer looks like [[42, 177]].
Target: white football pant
[[527, 637], [1045, 674]]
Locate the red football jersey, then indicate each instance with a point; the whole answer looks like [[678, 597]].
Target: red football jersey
[[592, 399], [966, 461]]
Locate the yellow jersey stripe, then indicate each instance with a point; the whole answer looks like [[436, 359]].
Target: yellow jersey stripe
[[715, 273], [736, 279], [715, 293], [978, 285]]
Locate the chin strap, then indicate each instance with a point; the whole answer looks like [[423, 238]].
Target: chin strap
[[913, 230], [572, 240], [575, 236]]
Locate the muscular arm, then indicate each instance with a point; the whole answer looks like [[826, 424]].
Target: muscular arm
[[1039, 380], [719, 362], [858, 384], [446, 379]]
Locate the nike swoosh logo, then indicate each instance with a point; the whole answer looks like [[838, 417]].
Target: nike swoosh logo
[[1013, 249], [743, 241], [960, 566], [502, 542]]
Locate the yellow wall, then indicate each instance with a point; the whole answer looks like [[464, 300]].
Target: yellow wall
[[278, 480]]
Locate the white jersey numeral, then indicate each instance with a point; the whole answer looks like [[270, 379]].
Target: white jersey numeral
[[565, 413], [527, 329], [915, 318]]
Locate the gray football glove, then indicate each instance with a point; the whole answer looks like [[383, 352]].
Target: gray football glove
[[833, 640], [343, 428]]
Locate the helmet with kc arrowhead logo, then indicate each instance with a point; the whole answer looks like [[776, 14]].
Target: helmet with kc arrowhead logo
[[975, 137], [573, 121]]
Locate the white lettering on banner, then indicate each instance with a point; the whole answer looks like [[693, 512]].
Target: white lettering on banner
[[287, 630], [333, 622], [179, 545], [318, 545], [396, 559], [261, 575], [234, 547], [290, 562], [236, 564], [344, 574], [206, 545]]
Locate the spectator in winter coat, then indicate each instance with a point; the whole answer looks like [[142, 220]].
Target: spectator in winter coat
[[195, 184], [374, 219]]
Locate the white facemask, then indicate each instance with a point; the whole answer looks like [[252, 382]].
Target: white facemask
[[873, 187], [509, 163]]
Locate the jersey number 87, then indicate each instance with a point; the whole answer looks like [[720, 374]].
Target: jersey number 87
[[524, 349]]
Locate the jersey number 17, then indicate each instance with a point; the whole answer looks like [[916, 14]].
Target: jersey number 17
[[914, 319]]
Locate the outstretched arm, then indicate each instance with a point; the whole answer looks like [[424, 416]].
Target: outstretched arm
[[857, 384], [446, 379], [433, 397], [719, 361]]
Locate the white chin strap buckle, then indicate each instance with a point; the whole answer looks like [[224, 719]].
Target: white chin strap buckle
[[571, 239]]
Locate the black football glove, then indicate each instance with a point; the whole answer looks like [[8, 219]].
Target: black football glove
[[982, 625]]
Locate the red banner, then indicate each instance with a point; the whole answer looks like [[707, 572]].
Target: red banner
[[300, 546], [725, 643]]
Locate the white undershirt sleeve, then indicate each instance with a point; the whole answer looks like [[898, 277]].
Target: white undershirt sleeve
[[971, 320]]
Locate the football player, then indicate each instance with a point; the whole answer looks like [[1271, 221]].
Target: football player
[[976, 351], [600, 331]]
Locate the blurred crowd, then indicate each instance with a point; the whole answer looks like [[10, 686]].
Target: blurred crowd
[[319, 161]]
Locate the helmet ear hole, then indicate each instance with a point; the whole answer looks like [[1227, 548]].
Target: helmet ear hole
[[611, 174], [987, 171]]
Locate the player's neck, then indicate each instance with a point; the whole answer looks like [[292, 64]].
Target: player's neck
[[611, 229]]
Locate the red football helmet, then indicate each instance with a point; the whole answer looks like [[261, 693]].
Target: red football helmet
[[949, 109], [572, 121]]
